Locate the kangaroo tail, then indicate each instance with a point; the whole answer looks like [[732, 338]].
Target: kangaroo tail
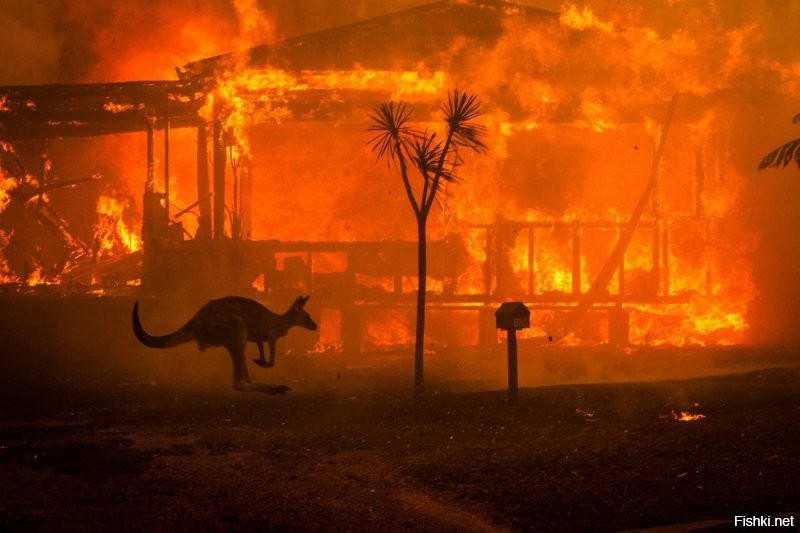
[[182, 335]]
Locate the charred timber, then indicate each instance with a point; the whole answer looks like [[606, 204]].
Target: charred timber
[[83, 110]]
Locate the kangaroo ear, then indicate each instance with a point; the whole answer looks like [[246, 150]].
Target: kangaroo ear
[[300, 302], [303, 300]]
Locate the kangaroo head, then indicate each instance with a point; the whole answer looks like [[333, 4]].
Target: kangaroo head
[[298, 316]]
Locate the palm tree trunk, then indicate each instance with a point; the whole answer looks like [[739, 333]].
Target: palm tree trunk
[[422, 276]]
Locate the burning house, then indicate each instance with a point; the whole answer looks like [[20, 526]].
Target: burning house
[[607, 202]]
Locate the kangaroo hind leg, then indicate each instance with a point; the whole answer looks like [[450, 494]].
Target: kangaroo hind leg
[[236, 346], [241, 377]]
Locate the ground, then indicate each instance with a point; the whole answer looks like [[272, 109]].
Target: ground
[[100, 433], [89, 455]]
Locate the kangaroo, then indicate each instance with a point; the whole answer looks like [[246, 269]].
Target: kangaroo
[[230, 322]]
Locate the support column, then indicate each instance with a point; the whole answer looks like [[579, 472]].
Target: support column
[[621, 270], [531, 258], [166, 157], [219, 178], [513, 386], [203, 191], [488, 265], [351, 330], [576, 260], [246, 197], [657, 256], [149, 184]]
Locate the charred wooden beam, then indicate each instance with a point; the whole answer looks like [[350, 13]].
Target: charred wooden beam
[[77, 110], [218, 143], [203, 190]]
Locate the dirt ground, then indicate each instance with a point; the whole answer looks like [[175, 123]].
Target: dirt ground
[[98, 433], [87, 455]]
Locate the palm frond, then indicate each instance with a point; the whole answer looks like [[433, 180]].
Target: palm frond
[[427, 154], [390, 121], [460, 110], [782, 156]]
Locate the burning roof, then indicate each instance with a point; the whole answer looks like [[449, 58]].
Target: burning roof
[[403, 40]]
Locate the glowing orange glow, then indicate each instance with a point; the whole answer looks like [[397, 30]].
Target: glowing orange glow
[[256, 96], [117, 108], [574, 110], [385, 329], [686, 416], [6, 276], [258, 283], [330, 340], [38, 277], [7, 185], [582, 19], [112, 235]]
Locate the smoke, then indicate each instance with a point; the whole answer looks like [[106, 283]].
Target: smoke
[[87, 41], [30, 42]]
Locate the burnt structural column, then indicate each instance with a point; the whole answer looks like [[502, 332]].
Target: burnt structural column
[[246, 198], [576, 260], [166, 156], [203, 190], [219, 178], [149, 184]]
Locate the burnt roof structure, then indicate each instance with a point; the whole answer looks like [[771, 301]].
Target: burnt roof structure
[[396, 41], [82, 110]]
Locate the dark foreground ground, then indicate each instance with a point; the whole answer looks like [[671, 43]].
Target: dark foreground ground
[[98, 433], [152, 456]]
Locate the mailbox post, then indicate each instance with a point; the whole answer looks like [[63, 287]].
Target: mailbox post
[[512, 316]]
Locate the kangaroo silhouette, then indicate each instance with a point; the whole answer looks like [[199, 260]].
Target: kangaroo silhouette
[[231, 322]]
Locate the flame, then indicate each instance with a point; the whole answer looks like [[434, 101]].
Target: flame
[[258, 283], [597, 115], [7, 186], [385, 329], [254, 26], [117, 108], [255, 96], [38, 277], [582, 19], [112, 235], [686, 416], [330, 339], [6, 276]]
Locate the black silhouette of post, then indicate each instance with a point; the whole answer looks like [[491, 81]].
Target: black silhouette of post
[[510, 317], [513, 383]]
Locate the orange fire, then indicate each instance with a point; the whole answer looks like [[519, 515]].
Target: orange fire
[[112, 235], [686, 416], [575, 110]]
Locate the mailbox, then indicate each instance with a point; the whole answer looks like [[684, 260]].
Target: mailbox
[[512, 316]]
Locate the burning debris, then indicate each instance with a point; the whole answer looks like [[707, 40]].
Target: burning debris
[[112, 236], [686, 416]]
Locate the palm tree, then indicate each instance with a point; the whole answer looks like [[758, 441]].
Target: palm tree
[[435, 160], [783, 155]]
